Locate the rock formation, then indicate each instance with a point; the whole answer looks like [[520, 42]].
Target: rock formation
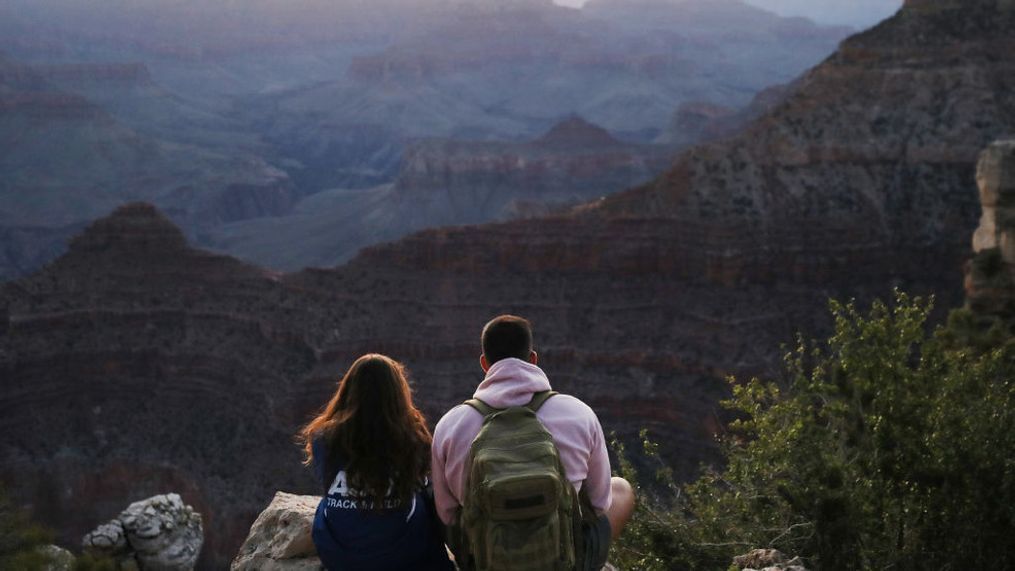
[[59, 558], [156, 534], [767, 560], [134, 363], [280, 538], [990, 276]]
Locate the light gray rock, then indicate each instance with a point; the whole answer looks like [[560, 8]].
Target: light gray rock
[[106, 539], [767, 560], [59, 558], [165, 534], [995, 175], [160, 533], [280, 539]]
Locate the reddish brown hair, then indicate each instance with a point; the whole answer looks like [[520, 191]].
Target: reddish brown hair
[[371, 426]]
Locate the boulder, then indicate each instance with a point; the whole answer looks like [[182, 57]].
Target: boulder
[[160, 533], [280, 539], [59, 558], [767, 560]]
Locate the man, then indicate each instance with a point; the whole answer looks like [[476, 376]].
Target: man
[[512, 377]]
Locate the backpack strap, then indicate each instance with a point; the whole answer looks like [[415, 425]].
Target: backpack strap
[[483, 408], [538, 399]]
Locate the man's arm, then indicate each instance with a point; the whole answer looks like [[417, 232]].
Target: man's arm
[[444, 499], [597, 482]]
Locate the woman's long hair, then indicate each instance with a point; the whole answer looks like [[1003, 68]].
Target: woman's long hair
[[371, 426]]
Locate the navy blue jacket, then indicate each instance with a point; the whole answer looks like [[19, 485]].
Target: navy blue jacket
[[352, 536]]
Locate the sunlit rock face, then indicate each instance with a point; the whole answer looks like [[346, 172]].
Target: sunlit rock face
[[280, 538], [995, 175], [137, 363], [990, 276]]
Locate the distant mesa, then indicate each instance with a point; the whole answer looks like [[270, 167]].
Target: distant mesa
[[137, 225], [576, 132]]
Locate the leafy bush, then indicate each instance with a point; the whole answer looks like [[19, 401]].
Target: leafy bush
[[89, 562], [884, 448]]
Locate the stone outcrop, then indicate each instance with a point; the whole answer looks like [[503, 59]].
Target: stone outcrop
[[160, 533], [995, 175], [280, 539], [59, 558], [990, 276], [768, 560]]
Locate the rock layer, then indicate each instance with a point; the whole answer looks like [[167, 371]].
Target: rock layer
[[451, 182]]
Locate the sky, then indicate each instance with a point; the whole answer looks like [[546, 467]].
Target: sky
[[856, 13]]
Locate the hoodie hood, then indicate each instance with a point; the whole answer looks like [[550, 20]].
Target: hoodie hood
[[511, 382]]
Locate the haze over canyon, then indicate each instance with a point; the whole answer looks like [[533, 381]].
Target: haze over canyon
[[242, 120]]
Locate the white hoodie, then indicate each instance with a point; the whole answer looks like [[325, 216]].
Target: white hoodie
[[512, 382]]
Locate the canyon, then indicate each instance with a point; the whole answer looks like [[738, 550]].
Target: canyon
[[137, 363], [241, 118], [447, 182]]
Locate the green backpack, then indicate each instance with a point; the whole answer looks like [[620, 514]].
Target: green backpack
[[520, 512]]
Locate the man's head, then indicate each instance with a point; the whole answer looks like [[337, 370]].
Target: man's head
[[505, 337]]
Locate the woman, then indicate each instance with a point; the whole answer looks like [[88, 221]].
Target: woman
[[370, 450]]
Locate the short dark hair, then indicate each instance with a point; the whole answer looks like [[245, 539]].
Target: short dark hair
[[505, 337]]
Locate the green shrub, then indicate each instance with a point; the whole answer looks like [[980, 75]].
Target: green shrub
[[885, 447], [20, 539], [88, 562]]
